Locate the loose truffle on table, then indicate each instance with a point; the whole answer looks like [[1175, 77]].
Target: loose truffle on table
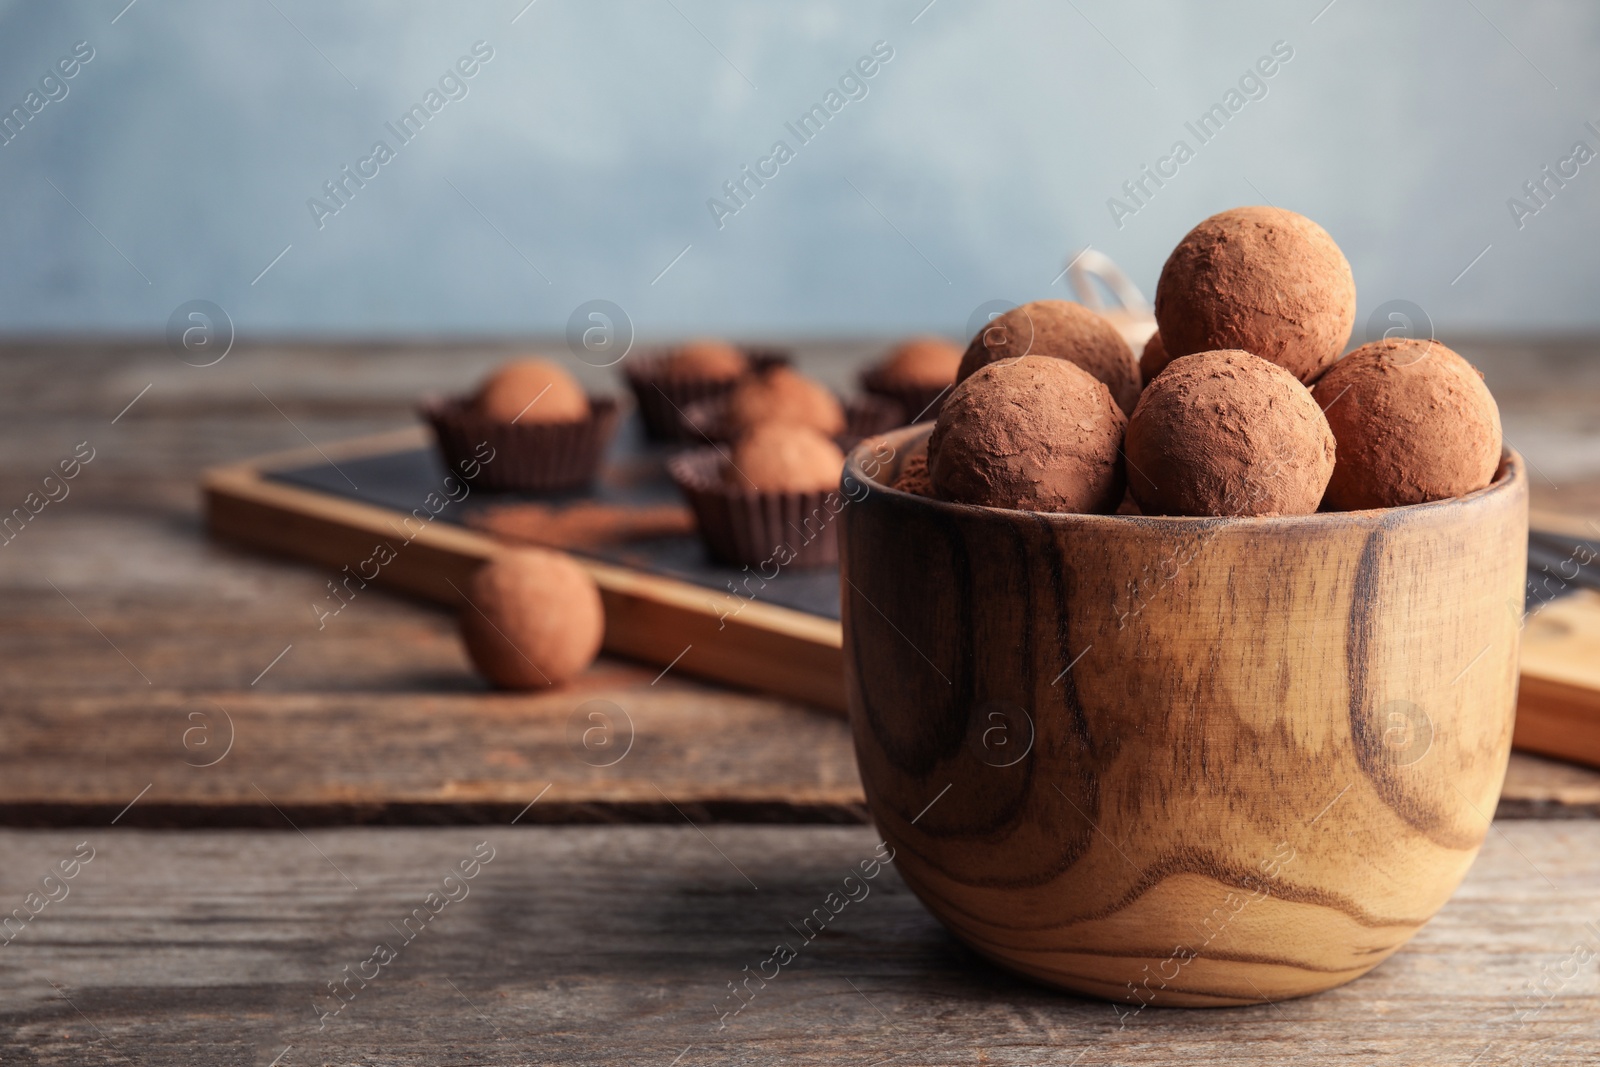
[[1154, 359], [707, 360], [920, 361], [784, 458], [1263, 280], [1035, 433], [1414, 423], [534, 619], [1063, 330], [1225, 433], [783, 395], [532, 391]]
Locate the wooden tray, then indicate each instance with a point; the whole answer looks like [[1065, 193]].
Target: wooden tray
[[658, 616], [666, 605], [1558, 705]]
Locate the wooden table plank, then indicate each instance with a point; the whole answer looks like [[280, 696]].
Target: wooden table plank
[[329, 759], [1540, 788], [617, 945]]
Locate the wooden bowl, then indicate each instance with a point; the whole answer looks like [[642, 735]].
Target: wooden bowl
[[1181, 761]]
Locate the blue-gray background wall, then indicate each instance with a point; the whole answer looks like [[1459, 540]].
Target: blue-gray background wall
[[579, 164]]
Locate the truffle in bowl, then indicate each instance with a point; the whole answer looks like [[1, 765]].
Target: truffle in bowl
[[1059, 329], [1268, 281], [1414, 422], [1225, 433]]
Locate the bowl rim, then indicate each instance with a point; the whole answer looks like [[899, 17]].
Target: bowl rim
[[1510, 478]]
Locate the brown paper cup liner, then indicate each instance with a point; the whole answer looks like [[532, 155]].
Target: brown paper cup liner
[[864, 416], [870, 414], [527, 457], [920, 402], [748, 528], [664, 397]]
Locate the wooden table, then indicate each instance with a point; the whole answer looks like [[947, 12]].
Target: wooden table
[[221, 899]]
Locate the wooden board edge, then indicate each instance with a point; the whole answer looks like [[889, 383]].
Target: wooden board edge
[[651, 618], [375, 444], [1556, 522], [1558, 699], [1567, 648], [1559, 720]]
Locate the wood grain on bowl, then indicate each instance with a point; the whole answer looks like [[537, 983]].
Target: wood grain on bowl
[[1183, 761]]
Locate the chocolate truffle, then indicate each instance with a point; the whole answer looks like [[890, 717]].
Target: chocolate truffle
[[1154, 359], [1225, 433], [1034, 433], [782, 395], [1259, 279], [1414, 423], [707, 360], [913, 476], [532, 391], [921, 361], [533, 619], [1063, 330], [784, 458]]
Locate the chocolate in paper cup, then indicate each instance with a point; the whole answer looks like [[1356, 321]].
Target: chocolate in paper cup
[[705, 421], [745, 527], [529, 457], [864, 416], [867, 415], [663, 397], [921, 403]]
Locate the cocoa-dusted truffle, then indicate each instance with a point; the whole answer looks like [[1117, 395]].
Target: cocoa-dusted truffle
[[1035, 433], [783, 395], [706, 359], [784, 458], [1063, 330], [920, 361], [1225, 433], [533, 619], [1154, 359], [532, 391], [1414, 423], [1261, 279], [913, 476]]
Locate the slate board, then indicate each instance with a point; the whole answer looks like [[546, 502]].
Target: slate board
[[635, 477]]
